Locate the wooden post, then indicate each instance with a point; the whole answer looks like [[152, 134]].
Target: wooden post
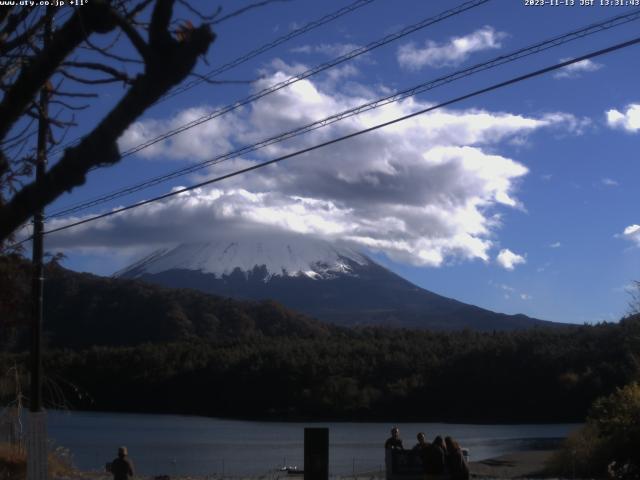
[[37, 432]]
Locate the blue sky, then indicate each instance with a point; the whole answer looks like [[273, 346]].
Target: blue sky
[[519, 200]]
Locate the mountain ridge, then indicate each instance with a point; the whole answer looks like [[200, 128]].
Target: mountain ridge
[[331, 283]]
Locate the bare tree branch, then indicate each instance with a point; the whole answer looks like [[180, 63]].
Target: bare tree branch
[[68, 106], [110, 55], [168, 62], [101, 67], [74, 94], [133, 35], [107, 47], [4, 12], [19, 142], [138, 8], [19, 134], [95, 81], [159, 35], [242, 10], [96, 17], [205, 18], [20, 39], [13, 21]]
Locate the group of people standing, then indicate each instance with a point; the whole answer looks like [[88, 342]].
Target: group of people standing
[[440, 457]]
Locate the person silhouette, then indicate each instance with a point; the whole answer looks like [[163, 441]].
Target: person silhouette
[[122, 466], [422, 443], [394, 442], [456, 464]]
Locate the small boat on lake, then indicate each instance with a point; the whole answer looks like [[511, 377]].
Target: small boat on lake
[[291, 470]]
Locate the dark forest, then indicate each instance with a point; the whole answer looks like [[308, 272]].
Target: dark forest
[[124, 345]]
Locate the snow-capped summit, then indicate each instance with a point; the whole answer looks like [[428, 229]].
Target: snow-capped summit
[[278, 255], [329, 282]]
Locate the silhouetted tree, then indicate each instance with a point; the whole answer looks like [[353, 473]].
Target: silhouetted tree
[[165, 53], [634, 300]]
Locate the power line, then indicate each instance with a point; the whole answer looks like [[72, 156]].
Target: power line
[[496, 86], [425, 86], [295, 33], [312, 71], [251, 54], [308, 73]]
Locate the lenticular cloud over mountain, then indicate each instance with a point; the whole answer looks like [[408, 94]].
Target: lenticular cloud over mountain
[[421, 191], [279, 255], [328, 281]]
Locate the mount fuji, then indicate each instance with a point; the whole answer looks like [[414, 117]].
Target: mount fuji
[[332, 283]]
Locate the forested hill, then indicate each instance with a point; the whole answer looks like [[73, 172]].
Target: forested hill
[[81, 310], [373, 374], [111, 348]]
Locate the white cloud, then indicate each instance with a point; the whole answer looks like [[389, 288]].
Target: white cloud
[[575, 69], [572, 124], [452, 53], [340, 73], [327, 49], [508, 291], [628, 120], [555, 245], [505, 287], [543, 267], [509, 260], [608, 182], [626, 288], [632, 233], [423, 191], [199, 143]]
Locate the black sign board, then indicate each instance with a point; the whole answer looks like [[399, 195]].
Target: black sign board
[[316, 454]]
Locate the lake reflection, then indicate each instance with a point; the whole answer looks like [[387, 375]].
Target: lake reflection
[[178, 445]]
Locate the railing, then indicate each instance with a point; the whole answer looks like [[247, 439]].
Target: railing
[[403, 465]]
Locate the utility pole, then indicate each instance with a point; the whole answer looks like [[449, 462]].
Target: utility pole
[[37, 432]]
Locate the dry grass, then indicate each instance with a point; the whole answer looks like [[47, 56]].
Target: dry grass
[[13, 462], [582, 455]]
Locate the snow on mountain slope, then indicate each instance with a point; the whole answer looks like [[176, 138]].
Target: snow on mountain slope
[[329, 282], [280, 255]]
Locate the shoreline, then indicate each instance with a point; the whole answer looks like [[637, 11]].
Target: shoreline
[[314, 420], [523, 464]]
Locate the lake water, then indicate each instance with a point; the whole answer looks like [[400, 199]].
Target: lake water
[[179, 445]]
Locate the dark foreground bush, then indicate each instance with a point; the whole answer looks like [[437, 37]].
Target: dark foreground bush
[[609, 444]]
